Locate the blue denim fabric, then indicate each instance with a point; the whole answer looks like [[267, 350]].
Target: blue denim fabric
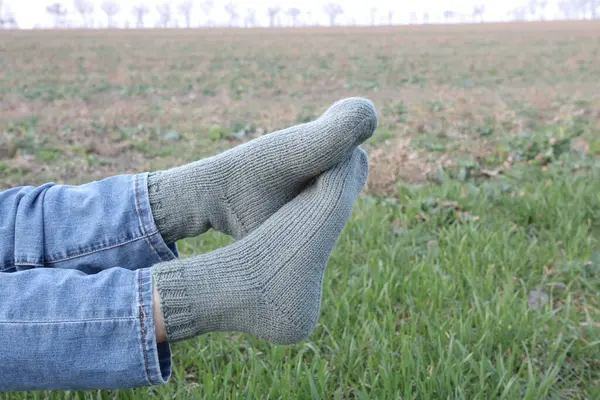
[[76, 289]]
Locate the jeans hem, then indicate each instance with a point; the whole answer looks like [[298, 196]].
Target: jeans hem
[[157, 356], [166, 252]]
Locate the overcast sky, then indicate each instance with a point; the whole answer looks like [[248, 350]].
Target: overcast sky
[[30, 13]]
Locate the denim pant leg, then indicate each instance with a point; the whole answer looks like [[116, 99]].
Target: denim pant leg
[[75, 287], [90, 227], [63, 329]]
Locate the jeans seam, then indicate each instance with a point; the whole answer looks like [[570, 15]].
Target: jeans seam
[[4, 269], [73, 256], [142, 319], [23, 264], [136, 187], [65, 321], [29, 264]]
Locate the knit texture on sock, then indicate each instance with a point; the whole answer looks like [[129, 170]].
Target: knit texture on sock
[[236, 191], [269, 283]]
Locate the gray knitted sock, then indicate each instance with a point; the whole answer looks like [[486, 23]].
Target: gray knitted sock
[[236, 191], [269, 283]]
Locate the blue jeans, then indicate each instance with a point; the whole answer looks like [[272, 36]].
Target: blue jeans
[[76, 289]]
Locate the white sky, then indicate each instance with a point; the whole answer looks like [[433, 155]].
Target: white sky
[[30, 13]]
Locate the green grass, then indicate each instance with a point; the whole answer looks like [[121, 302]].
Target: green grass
[[425, 297], [48, 155]]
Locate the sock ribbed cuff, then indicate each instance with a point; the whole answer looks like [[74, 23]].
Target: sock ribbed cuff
[[175, 302]]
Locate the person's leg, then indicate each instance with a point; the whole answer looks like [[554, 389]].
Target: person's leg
[[133, 221], [90, 228], [63, 329], [68, 319]]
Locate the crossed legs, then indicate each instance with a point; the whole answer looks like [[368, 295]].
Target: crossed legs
[[118, 292]]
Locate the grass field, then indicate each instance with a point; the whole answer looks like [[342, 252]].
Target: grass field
[[471, 266]]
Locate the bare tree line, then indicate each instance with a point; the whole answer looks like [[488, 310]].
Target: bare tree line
[[7, 17], [580, 9], [568, 9], [169, 14], [86, 9], [534, 10]]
